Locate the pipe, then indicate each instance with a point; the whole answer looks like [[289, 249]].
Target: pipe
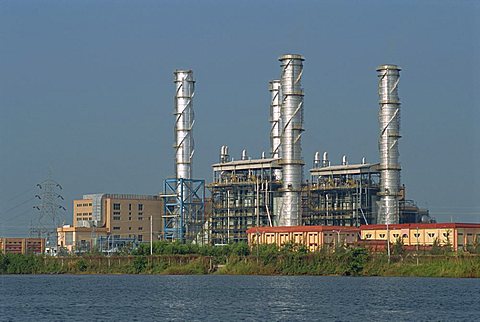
[[325, 162], [389, 121], [291, 144], [275, 119], [316, 160], [244, 155]]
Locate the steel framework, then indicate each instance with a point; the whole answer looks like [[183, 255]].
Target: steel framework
[[340, 198], [184, 210], [245, 194]]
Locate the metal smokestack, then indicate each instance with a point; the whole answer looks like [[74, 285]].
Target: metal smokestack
[[316, 160], [275, 119], [184, 144], [389, 120], [291, 143], [325, 162]]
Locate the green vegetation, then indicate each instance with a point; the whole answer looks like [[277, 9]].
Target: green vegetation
[[290, 259]]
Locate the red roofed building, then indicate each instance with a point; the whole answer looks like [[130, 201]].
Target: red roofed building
[[458, 235], [313, 237]]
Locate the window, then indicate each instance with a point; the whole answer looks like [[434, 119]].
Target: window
[[382, 235], [396, 235], [404, 236], [431, 235], [140, 213], [368, 235], [446, 234], [140, 218], [116, 206], [129, 228], [416, 235], [116, 213], [140, 237], [116, 217], [90, 204], [129, 218], [130, 207], [140, 207], [116, 228], [140, 228]]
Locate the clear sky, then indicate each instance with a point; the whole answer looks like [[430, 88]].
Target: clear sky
[[86, 90]]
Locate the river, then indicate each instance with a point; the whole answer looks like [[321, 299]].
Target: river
[[232, 298]]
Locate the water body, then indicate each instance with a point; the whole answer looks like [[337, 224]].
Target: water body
[[227, 298]]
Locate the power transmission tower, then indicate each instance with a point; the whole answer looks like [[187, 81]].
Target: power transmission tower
[[50, 213]]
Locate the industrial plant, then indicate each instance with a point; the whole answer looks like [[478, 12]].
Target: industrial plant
[[270, 191]]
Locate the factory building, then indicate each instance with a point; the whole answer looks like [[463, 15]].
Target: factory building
[[312, 237], [23, 246], [245, 193], [459, 236], [270, 191], [349, 195], [112, 218]]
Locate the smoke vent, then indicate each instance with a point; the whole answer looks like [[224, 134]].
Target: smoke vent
[[325, 162], [316, 160], [291, 144], [224, 154], [244, 155], [184, 145], [389, 121]]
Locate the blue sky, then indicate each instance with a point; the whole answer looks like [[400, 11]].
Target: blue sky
[[86, 90]]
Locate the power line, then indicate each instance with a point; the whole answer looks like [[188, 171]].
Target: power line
[[18, 205], [18, 195]]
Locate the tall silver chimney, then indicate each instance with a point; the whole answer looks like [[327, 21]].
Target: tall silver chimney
[[275, 119], [389, 120], [276, 126], [184, 144], [291, 143]]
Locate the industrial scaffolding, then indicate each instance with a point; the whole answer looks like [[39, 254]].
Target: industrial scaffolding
[[342, 195], [244, 195], [184, 210]]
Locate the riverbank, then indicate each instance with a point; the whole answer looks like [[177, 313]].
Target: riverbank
[[350, 262]]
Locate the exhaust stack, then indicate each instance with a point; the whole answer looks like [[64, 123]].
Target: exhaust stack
[[275, 119], [184, 144], [291, 144], [389, 120]]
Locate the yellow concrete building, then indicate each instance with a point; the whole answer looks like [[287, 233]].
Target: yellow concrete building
[[458, 235], [113, 217], [11, 245], [313, 237]]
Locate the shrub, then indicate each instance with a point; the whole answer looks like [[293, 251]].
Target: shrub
[[139, 264], [82, 265]]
